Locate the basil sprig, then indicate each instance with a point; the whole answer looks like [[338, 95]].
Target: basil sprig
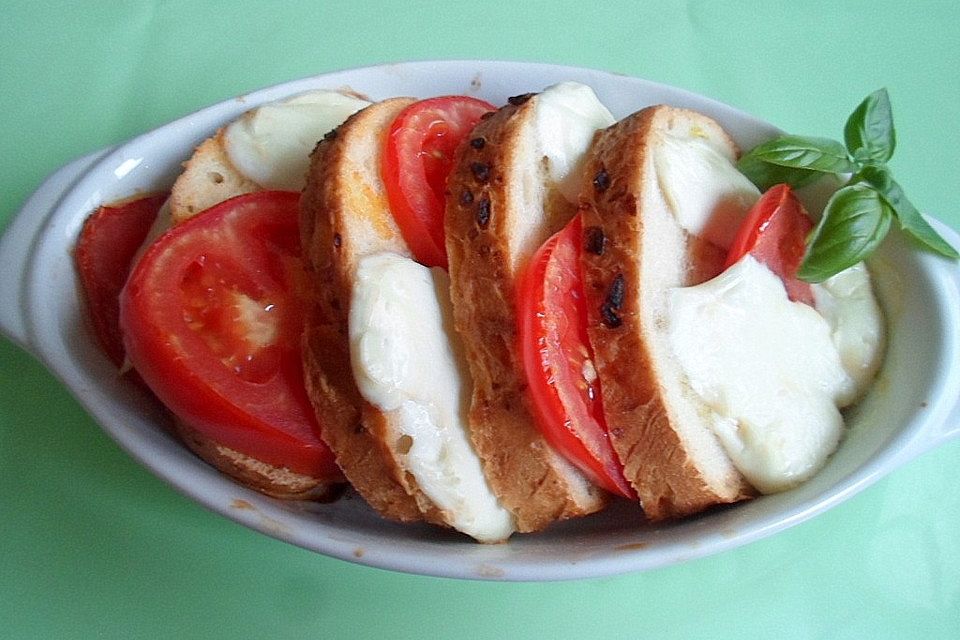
[[859, 215]]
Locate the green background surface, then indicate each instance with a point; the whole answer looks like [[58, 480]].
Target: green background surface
[[92, 545]]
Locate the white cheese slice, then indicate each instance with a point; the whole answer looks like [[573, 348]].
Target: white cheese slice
[[271, 144], [772, 373], [406, 363], [702, 186], [566, 117]]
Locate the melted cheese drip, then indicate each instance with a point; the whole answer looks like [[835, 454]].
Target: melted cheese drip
[[271, 144], [405, 362], [772, 373]]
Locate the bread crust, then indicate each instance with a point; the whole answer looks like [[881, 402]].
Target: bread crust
[[208, 178], [278, 482], [345, 216], [619, 181], [483, 206]]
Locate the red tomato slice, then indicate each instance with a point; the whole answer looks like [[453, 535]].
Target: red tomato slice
[[558, 360], [775, 233], [416, 162], [110, 239], [212, 317]]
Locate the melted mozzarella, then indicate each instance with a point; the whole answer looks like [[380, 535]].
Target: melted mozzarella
[[772, 373], [702, 186], [405, 363], [847, 303], [271, 144], [566, 117]]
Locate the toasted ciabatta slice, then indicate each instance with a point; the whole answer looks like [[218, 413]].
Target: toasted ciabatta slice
[[389, 318], [265, 148], [208, 178], [344, 216], [278, 482], [502, 205], [659, 202], [279, 135]]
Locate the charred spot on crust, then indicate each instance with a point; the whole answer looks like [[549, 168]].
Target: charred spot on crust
[[483, 213], [330, 135], [594, 241], [404, 444], [478, 143], [610, 318], [601, 181], [617, 291], [520, 99], [466, 197], [337, 240], [609, 310], [480, 171]]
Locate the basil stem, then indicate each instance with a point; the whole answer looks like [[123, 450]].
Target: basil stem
[[858, 216]]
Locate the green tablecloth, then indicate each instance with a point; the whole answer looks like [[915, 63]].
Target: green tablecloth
[[95, 546]]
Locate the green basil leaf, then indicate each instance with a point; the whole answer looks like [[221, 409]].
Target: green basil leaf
[[803, 152], [854, 223], [876, 175], [765, 175], [921, 231], [869, 131], [911, 220]]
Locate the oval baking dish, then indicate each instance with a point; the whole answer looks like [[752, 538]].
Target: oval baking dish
[[913, 406]]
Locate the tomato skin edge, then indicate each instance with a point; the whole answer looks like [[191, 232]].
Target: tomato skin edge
[[774, 231], [415, 165], [103, 256], [415, 233], [567, 433], [173, 376]]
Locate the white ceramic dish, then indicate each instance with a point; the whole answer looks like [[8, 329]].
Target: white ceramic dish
[[912, 407]]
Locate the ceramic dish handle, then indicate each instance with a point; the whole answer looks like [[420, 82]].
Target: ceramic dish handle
[[948, 426], [952, 425], [18, 242]]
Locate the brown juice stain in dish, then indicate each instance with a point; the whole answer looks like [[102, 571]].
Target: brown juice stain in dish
[[490, 571], [358, 552], [350, 91], [267, 522], [632, 546]]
